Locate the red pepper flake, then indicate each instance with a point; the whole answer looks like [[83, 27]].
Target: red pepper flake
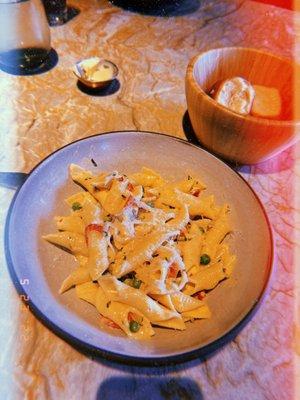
[[108, 322], [196, 192], [200, 295], [121, 179], [130, 187], [92, 228], [173, 270], [130, 316]]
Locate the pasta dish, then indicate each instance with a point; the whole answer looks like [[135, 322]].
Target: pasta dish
[[148, 251]]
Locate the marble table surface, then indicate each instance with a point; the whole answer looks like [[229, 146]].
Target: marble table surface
[[43, 112]]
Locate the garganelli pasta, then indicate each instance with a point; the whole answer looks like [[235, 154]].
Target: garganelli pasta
[[147, 250]]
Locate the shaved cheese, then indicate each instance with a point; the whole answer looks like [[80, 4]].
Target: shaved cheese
[[143, 247]]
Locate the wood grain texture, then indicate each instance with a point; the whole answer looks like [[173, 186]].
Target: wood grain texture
[[242, 138], [43, 112]]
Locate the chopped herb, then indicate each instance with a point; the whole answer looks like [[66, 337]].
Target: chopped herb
[[107, 218], [76, 206], [94, 162], [150, 204], [136, 283], [171, 207], [189, 177], [123, 195], [127, 281], [134, 326], [124, 257], [108, 304], [204, 259], [201, 229]]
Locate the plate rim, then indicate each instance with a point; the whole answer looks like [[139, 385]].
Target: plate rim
[[96, 351]]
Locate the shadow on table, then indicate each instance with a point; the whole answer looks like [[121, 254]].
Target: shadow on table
[[49, 63], [149, 388], [159, 8], [281, 162], [72, 13], [107, 91]]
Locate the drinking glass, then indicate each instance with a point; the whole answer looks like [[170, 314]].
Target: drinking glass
[[57, 11], [24, 34]]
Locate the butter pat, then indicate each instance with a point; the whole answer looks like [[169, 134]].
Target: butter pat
[[104, 72], [90, 64], [97, 70]]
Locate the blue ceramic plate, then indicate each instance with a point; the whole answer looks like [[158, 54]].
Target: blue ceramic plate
[[38, 268]]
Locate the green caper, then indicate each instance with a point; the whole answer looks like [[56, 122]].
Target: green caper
[[136, 283]]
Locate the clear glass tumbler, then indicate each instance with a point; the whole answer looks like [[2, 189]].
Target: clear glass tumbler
[[24, 34]]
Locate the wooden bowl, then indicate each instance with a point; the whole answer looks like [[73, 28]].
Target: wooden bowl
[[240, 138]]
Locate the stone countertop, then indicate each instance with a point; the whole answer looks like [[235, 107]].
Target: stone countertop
[[41, 113]]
